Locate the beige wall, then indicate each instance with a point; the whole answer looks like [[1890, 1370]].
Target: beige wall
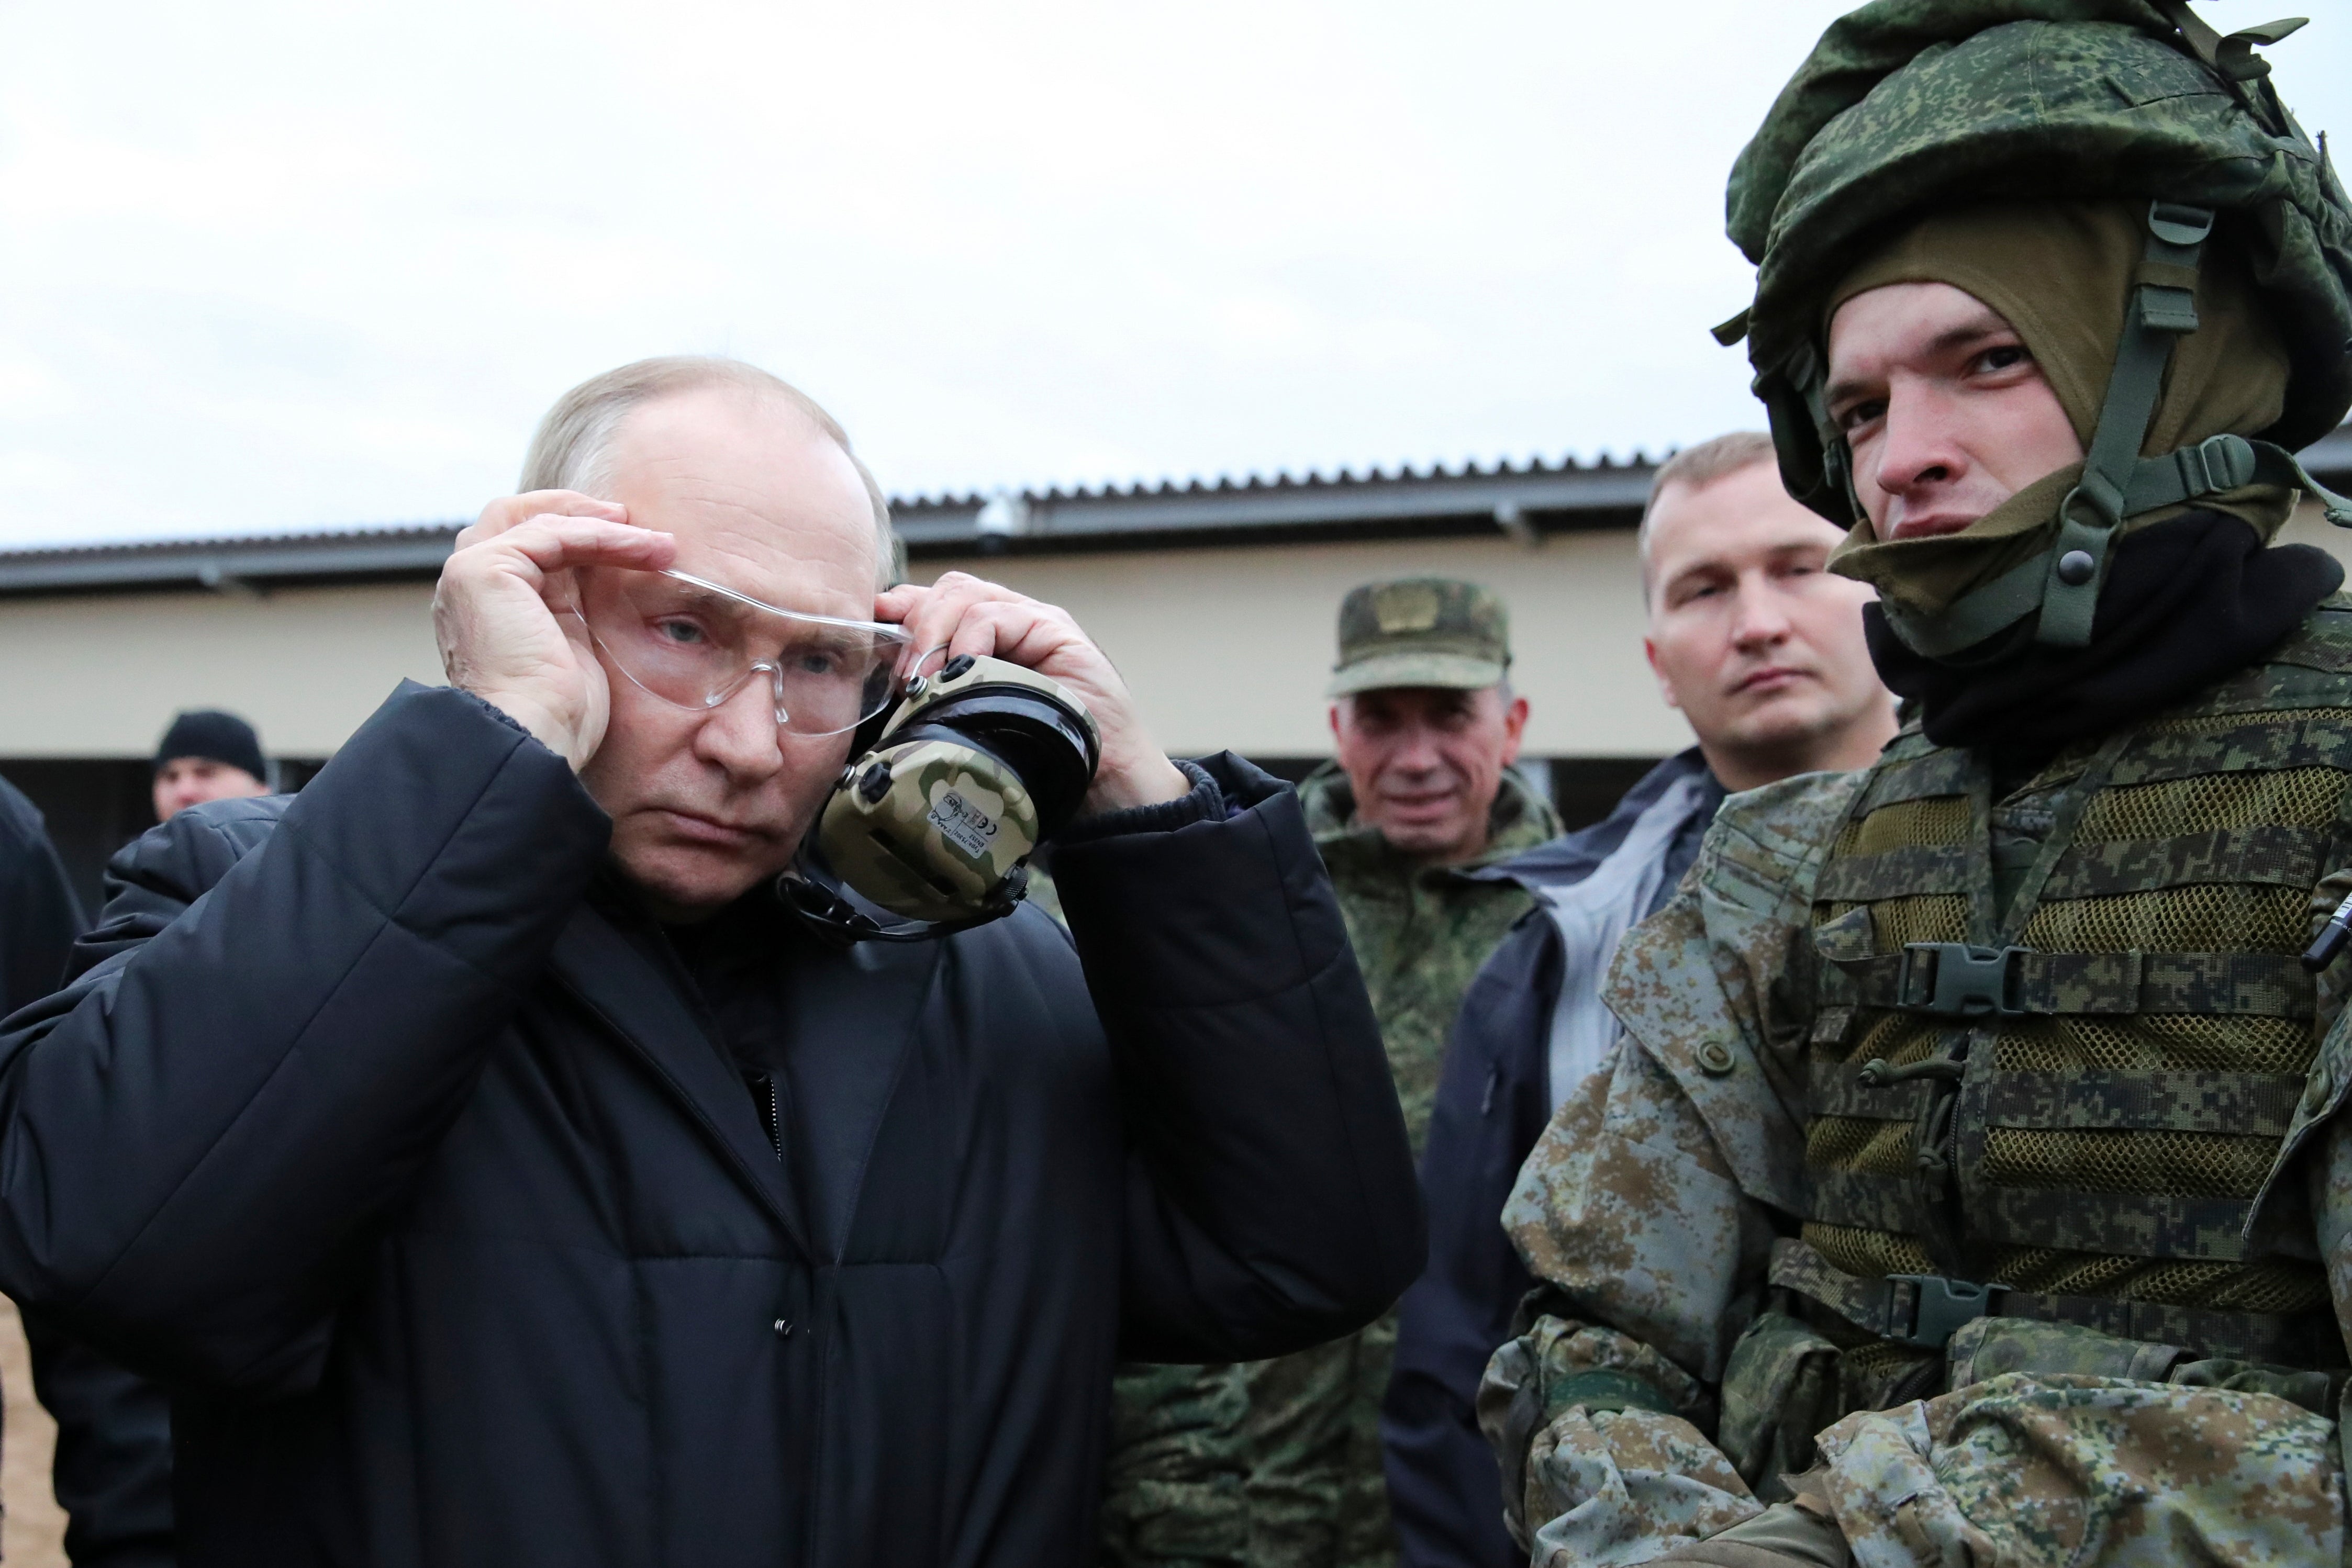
[[1224, 647], [1231, 648], [101, 677]]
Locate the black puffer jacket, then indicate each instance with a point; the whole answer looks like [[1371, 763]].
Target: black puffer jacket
[[113, 1465], [420, 1176]]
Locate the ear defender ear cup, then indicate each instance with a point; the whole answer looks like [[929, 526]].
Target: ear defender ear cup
[[977, 767]]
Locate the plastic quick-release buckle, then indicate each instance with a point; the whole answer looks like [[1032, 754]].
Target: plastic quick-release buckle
[[1953, 979], [1940, 1307], [2217, 464]]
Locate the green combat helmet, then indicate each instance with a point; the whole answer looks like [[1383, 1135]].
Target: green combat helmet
[[1970, 101]]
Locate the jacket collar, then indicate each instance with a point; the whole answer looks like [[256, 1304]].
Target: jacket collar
[[1519, 820], [1572, 857], [649, 1012]]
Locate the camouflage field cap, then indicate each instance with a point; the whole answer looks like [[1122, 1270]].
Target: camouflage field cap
[[1421, 632]]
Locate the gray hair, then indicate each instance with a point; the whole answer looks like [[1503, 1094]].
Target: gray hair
[[572, 449], [1696, 467]]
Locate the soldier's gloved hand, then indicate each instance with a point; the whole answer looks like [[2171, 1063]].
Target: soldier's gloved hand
[[1600, 1478]]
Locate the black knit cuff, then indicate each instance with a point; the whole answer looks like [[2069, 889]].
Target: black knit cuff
[[494, 710], [1206, 803]]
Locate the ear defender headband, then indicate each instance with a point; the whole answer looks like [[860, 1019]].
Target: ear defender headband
[[947, 796]]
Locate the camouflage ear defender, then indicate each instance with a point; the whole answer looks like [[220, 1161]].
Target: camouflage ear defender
[[1906, 103], [935, 818]]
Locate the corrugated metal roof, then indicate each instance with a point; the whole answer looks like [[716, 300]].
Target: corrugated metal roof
[[1525, 499], [1536, 495]]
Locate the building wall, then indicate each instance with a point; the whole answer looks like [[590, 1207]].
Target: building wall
[[100, 675], [1224, 648], [1231, 648]]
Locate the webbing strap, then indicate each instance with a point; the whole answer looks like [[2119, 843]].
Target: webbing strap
[[1893, 1309], [2225, 463], [2209, 467], [2199, 1100], [1607, 1388], [1952, 979], [2233, 58], [2161, 312]]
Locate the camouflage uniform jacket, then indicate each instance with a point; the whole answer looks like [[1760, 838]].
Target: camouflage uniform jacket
[[1627, 1419], [1420, 933], [1310, 1441]]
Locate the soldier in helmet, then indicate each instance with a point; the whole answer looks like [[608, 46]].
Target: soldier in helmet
[[1968, 1187]]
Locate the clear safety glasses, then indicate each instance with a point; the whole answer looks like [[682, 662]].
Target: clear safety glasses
[[694, 644]]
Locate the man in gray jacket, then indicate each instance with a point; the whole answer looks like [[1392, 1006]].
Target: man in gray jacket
[[1763, 652]]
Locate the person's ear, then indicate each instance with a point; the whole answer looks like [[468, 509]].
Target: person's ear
[[1515, 729], [1335, 722], [1666, 686]]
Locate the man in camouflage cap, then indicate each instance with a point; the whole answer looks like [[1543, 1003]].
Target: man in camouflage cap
[[1421, 633], [1422, 793], [1968, 1187]]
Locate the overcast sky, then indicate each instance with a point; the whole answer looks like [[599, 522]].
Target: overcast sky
[[283, 267]]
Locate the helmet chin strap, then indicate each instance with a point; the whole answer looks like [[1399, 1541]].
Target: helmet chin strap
[[2062, 580]]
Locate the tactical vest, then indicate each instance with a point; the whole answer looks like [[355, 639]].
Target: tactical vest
[[2058, 1037]]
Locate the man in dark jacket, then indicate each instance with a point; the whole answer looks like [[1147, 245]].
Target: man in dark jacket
[[1763, 652], [112, 1473], [412, 1130], [39, 916]]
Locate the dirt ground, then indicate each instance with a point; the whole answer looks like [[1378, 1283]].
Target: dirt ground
[[33, 1534]]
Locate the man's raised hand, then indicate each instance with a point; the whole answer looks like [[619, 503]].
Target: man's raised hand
[[501, 612], [964, 614]]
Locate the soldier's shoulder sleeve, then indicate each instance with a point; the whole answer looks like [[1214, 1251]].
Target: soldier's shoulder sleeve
[[1717, 989], [1766, 846], [1627, 1209]]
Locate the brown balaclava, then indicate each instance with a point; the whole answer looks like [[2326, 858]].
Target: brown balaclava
[[2062, 273]]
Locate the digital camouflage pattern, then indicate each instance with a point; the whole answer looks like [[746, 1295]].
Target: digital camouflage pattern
[[1172, 1485], [1664, 1204], [930, 828], [1315, 1497], [1422, 632], [1422, 933], [2020, 98], [2074, 1471], [1587, 1414]]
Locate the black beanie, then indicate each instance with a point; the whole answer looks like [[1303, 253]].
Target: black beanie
[[217, 737]]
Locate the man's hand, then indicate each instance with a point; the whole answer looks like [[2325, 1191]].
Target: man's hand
[[502, 612], [965, 615]]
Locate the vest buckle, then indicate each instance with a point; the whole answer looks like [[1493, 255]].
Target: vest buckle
[[1952, 979], [1940, 1307]]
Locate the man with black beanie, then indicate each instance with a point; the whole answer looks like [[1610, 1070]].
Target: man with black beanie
[[113, 1468], [207, 754]]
